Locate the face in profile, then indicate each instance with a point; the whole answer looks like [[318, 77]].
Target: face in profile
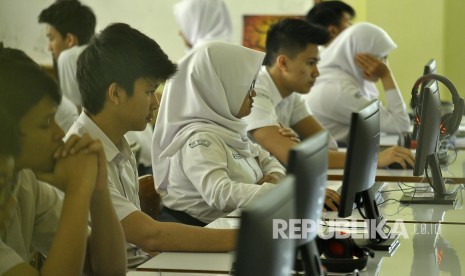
[[301, 71], [247, 104], [56, 42], [137, 110], [8, 188], [40, 137]]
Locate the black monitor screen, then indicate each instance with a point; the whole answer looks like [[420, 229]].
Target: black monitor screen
[[308, 161], [362, 156], [429, 128], [258, 252]]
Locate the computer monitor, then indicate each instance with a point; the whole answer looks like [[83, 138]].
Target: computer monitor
[[258, 252], [429, 68], [308, 161], [427, 148], [360, 172]]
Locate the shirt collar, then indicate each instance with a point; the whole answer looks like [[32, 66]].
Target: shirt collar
[[112, 152], [266, 83]]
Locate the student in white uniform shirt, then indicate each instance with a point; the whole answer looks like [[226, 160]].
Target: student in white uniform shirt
[[334, 15], [289, 72], [202, 20], [118, 74], [33, 216], [349, 68], [69, 27], [204, 163]]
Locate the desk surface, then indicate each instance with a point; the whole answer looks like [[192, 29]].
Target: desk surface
[[392, 210], [454, 171], [424, 249], [155, 273]]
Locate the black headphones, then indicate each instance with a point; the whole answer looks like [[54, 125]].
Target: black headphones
[[450, 122], [339, 254]]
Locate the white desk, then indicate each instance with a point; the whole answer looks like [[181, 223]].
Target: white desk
[[455, 171], [155, 273], [425, 249], [424, 213], [220, 263]]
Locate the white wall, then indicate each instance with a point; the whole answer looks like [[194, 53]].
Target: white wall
[[19, 27]]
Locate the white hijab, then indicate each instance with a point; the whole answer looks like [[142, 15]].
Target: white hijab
[[340, 54], [203, 20], [205, 95]]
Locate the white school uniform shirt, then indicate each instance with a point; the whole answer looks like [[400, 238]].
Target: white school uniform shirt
[[270, 108], [66, 114], [208, 179], [122, 177], [34, 223], [341, 88], [67, 67], [201, 151], [144, 139]]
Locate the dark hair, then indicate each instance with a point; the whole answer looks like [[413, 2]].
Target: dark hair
[[23, 83], [70, 16], [118, 54], [329, 13], [291, 36], [9, 134]]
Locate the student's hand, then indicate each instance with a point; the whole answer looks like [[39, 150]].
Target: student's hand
[[77, 145], [372, 67], [396, 154], [270, 178], [102, 175], [73, 172], [332, 200], [289, 133], [73, 145]]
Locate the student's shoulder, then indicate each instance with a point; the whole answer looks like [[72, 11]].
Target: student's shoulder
[[203, 141], [30, 186], [71, 54]]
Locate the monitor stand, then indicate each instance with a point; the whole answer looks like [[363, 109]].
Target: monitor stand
[[439, 195], [308, 259], [387, 242], [388, 245]]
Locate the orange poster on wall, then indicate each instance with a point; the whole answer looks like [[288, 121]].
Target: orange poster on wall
[[255, 28]]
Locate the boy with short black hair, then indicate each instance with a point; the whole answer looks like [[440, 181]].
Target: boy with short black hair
[[280, 114], [118, 74], [69, 28]]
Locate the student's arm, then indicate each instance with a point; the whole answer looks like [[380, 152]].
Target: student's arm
[[394, 116], [68, 250], [310, 126], [83, 185], [275, 143], [206, 165], [155, 236], [107, 233]]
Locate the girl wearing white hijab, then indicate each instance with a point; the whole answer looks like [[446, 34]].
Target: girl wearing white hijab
[[204, 164], [203, 20], [348, 69]]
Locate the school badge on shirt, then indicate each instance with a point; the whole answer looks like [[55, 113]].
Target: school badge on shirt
[[199, 142]]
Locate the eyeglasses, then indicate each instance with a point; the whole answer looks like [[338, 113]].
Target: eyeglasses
[[252, 87], [8, 188]]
